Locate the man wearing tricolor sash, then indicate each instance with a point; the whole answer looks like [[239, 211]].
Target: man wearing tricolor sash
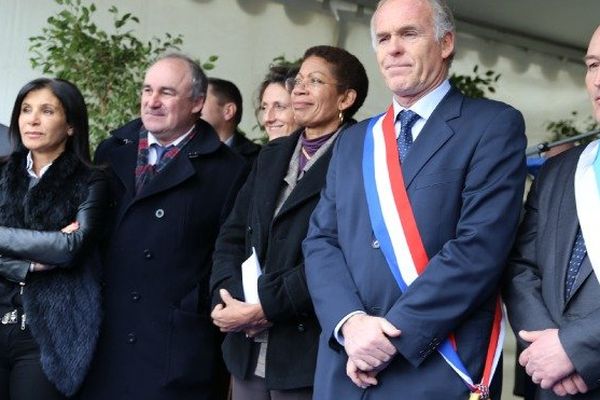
[[552, 291], [407, 246]]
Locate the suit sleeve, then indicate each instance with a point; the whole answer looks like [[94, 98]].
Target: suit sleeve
[[581, 340], [330, 284], [56, 247], [523, 280], [466, 271]]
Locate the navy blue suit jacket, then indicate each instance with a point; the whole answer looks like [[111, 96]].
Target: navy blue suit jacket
[[464, 176]]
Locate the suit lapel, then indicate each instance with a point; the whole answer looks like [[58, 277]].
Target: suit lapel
[[565, 232], [123, 161], [434, 135], [310, 184], [177, 171], [273, 165]]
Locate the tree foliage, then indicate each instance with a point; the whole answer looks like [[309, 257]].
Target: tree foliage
[[108, 67], [477, 84], [568, 127]]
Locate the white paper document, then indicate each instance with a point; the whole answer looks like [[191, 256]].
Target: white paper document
[[250, 273]]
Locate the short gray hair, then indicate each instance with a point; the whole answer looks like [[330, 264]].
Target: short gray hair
[[443, 20], [199, 79]]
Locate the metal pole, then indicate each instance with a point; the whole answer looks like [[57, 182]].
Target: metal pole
[[545, 146]]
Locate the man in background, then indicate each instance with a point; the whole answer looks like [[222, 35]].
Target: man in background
[[223, 110]]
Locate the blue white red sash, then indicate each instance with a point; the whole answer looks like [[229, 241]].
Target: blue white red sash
[[587, 200], [396, 230]]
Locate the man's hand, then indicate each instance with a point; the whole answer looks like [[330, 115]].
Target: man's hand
[[360, 378], [545, 359], [366, 341], [237, 316], [572, 384]]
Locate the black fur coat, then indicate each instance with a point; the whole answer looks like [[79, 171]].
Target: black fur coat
[[62, 305]]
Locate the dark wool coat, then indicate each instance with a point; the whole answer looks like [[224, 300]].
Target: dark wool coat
[[157, 341], [62, 305], [284, 296], [245, 147]]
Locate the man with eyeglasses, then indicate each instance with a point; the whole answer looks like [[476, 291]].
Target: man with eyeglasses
[[406, 248]]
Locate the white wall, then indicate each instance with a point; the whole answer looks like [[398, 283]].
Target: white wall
[[248, 34]]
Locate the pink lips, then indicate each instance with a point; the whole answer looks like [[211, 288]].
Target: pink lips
[[298, 105]]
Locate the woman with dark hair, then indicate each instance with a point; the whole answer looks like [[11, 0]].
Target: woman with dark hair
[[275, 112], [52, 203], [272, 337]]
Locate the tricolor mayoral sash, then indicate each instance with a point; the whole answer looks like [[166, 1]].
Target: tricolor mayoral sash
[[587, 201], [396, 230]]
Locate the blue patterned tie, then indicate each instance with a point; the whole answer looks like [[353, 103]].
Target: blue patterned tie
[[577, 255], [160, 151], [407, 119]]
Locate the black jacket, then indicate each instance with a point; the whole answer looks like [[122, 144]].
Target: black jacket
[[284, 296], [245, 147], [158, 341], [31, 220]]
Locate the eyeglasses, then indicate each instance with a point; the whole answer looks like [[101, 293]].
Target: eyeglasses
[[312, 82], [276, 107]]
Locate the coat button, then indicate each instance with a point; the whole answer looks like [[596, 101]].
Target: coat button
[[147, 254], [375, 244], [159, 213], [301, 328], [131, 338], [135, 296]]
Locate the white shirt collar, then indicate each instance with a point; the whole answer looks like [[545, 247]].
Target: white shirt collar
[[30, 170], [152, 140], [424, 106]]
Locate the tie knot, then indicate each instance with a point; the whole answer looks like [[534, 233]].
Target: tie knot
[[407, 119], [161, 150]]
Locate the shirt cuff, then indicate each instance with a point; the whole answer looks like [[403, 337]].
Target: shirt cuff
[[337, 334]]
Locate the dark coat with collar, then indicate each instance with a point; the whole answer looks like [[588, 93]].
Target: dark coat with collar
[[157, 340], [464, 176], [62, 305], [293, 339], [244, 147], [535, 281]]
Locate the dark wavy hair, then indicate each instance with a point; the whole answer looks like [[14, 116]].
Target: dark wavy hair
[[75, 110], [348, 72]]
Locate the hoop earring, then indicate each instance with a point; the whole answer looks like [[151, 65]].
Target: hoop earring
[[341, 117]]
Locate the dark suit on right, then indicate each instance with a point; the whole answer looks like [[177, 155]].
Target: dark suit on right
[[535, 288]]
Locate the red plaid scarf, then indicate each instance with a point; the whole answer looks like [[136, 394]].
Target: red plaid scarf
[[144, 172]]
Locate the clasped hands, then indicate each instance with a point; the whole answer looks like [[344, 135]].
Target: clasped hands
[[549, 366], [238, 316], [369, 349]]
